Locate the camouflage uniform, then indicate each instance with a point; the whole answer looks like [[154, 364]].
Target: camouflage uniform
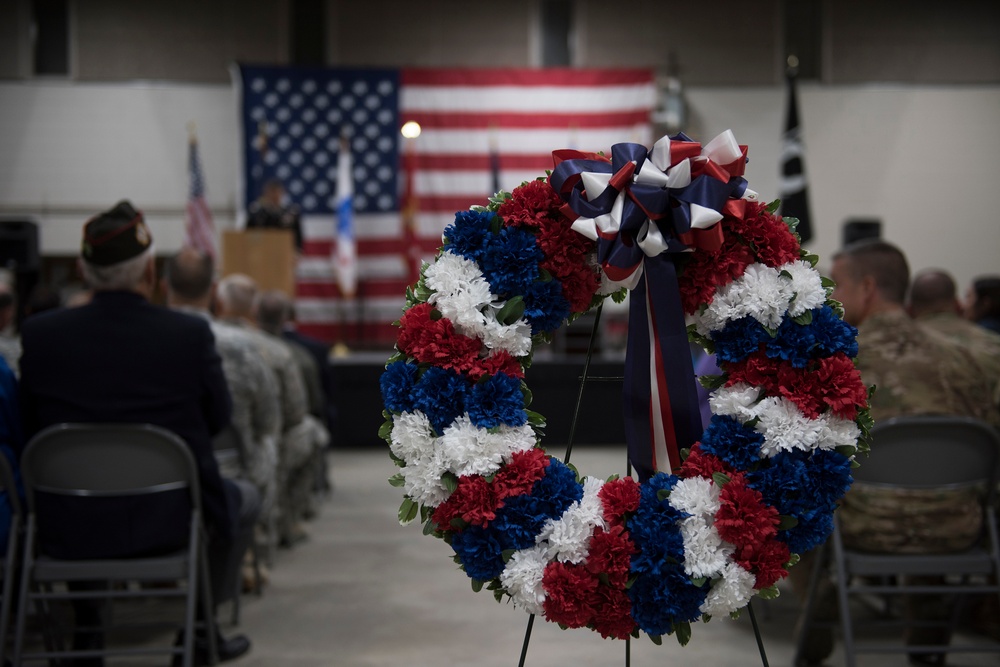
[[256, 415], [982, 344], [299, 438], [916, 372]]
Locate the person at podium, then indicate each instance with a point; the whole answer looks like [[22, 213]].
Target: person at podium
[[271, 211]]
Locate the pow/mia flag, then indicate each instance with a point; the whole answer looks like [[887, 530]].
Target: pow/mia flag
[[794, 191]]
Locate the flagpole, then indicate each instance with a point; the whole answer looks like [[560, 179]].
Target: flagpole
[[411, 242]]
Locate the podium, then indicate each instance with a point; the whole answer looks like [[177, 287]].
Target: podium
[[266, 255]]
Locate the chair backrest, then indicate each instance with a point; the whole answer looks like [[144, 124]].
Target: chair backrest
[[924, 452], [110, 490], [8, 484]]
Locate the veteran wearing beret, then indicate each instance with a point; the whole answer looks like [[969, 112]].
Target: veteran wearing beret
[[122, 359]]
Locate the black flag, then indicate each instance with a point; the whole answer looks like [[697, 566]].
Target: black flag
[[794, 191]]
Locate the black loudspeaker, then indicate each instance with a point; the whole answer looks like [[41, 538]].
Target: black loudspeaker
[[862, 228], [19, 245]]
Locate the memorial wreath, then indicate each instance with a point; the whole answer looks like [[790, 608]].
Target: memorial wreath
[[715, 517]]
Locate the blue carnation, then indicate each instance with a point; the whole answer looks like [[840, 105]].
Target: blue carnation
[[495, 401], [824, 336], [440, 394], [545, 307], [520, 520], [510, 261], [739, 339], [397, 386], [654, 528], [470, 234], [660, 601], [784, 482], [479, 552], [558, 489], [731, 441], [813, 528]]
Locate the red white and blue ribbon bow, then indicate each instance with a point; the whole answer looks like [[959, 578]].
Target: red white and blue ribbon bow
[[643, 207]]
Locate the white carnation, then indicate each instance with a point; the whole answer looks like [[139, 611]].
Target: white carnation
[[785, 428], [705, 552], [412, 436], [422, 481], [759, 293], [806, 285], [729, 593], [695, 496], [738, 401], [451, 274], [837, 432], [567, 539], [522, 578], [514, 338], [466, 449]]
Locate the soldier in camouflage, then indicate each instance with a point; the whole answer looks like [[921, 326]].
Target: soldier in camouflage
[[302, 435], [916, 372], [933, 302], [256, 415]]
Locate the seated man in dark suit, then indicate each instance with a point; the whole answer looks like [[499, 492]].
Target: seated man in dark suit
[[122, 359]]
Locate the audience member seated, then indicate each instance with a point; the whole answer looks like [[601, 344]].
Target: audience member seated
[[252, 384], [934, 303], [916, 372], [10, 343], [272, 311], [320, 352], [302, 435], [122, 359], [11, 440], [982, 302]]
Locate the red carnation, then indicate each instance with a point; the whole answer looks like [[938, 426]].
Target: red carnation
[[619, 497], [611, 553], [532, 204], [773, 242], [705, 272], [501, 361], [614, 613], [757, 369], [766, 561], [831, 382], [570, 594], [435, 341], [519, 476], [474, 501], [744, 519], [700, 464]]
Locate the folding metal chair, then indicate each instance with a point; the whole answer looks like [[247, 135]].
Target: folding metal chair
[[9, 564], [928, 453], [81, 469]]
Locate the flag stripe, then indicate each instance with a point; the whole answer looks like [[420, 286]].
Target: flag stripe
[[523, 78], [485, 120]]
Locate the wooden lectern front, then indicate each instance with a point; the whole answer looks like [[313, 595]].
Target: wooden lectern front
[[266, 255]]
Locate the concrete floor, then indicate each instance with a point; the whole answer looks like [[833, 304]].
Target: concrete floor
[[365, 592]]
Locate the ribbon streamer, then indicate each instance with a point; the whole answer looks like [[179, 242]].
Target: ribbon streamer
[[644, 208]]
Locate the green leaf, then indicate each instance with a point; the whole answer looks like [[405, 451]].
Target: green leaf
[[793, 223], [458, 523], [812, 259], [498, 594], [619, 296], [804, 319], [769, 593], [720, 479], [430, 527], [397, 480], [407, 511], [786, 522], [735, 615], [450, 481], [663, 494], [683, 631], [773, 206], [495, 224], [603, 578], [773, 333], [507, 554], [699, 581], [656, 639], [544, 276], [385, 431], [436, 315], [793, 560], [712, 382], [477, 585], [827, 282], [535, 418], [847, 450], [528, 396], [511, 311]]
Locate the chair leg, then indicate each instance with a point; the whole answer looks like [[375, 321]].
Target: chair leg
[[805, 623], [847, 629], [27, 565], [10, 569], [208, 609]]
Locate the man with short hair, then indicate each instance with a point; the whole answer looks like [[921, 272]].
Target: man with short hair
[[252, 385], [915, 373], [121, 359], [933, 302], [982, 302]]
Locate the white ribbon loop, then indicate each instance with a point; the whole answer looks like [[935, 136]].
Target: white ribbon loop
[[724, 149]]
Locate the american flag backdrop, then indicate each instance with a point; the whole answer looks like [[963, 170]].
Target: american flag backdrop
[[476, 123], [199, 228]]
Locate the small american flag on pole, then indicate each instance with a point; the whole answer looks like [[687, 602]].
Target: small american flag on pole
[[199, 228]]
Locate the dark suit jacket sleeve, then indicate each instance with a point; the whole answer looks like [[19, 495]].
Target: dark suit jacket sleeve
[[218, 405]]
